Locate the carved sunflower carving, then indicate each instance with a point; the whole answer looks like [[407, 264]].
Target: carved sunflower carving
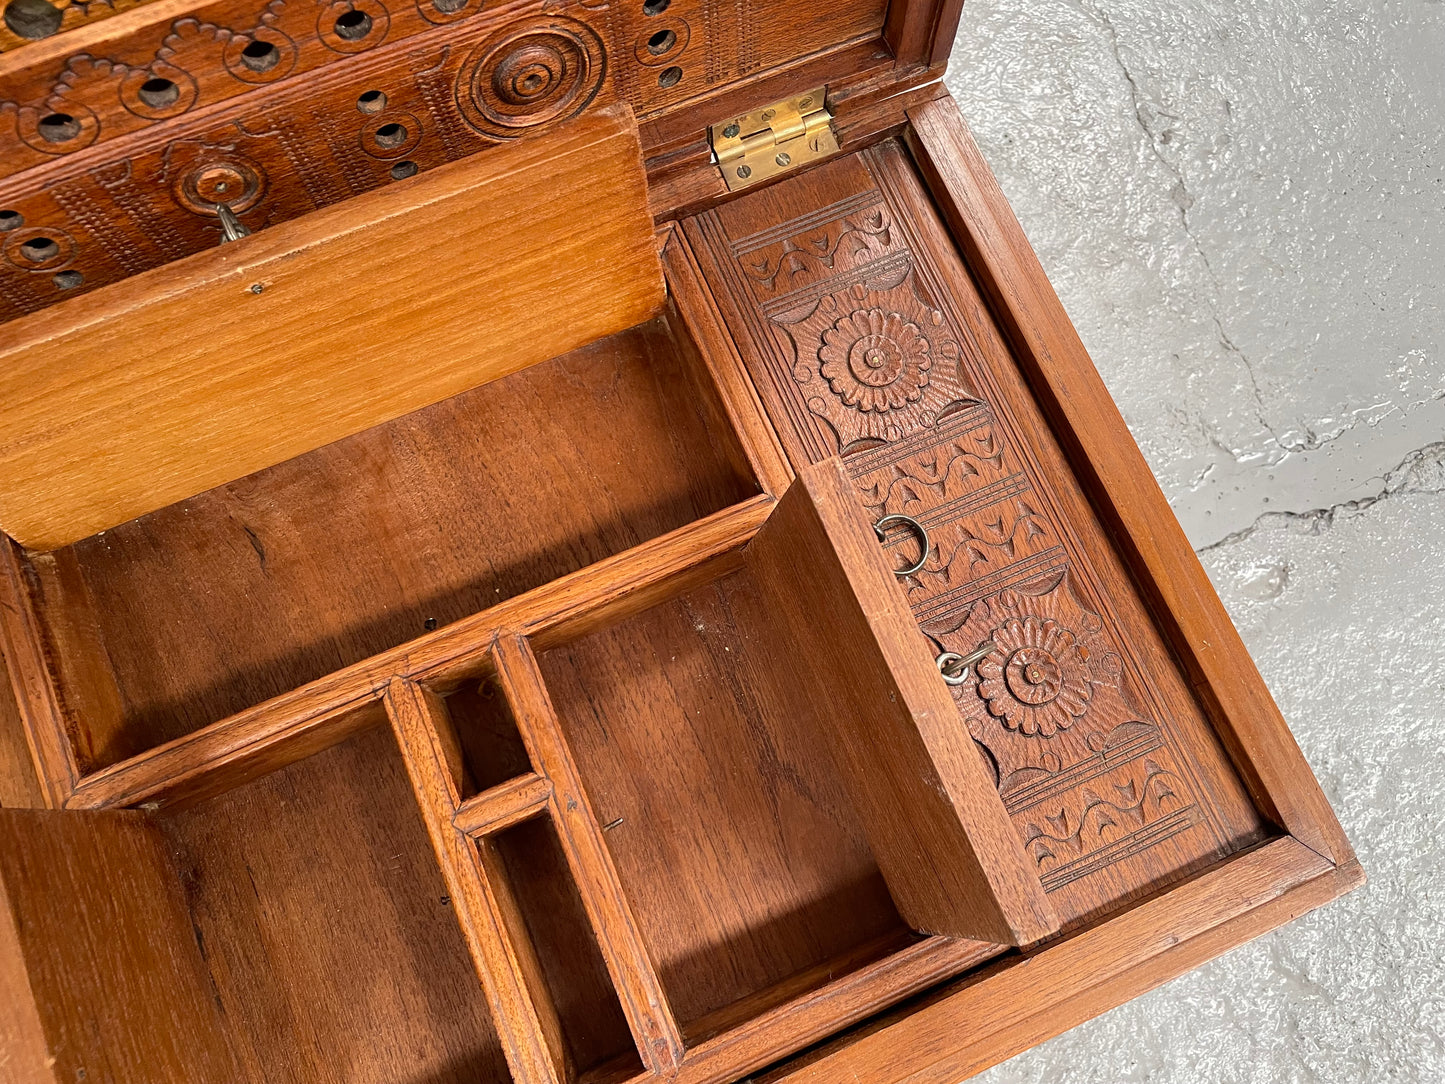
[[1034, 680], [875, 360]]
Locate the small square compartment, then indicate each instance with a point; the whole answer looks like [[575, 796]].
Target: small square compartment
[[207, 607]]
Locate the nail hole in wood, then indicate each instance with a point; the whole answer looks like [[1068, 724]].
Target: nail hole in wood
[[371, 101], [661, 42], [353, 25], [32, 19], [260, 56], [390, 135], [58, 127], [11, 220], [159, 93], [67, 280], [655, 7], [401, 171], [669, 77]]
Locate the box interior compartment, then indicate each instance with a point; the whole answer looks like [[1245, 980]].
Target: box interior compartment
[[331, 943], [593, 1029], [207, 607], [735, 842]]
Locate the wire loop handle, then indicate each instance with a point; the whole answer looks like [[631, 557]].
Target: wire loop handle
[[918, 529]]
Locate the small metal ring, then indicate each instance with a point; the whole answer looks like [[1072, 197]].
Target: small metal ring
[[918, 529], [947, 661], [950, 660]]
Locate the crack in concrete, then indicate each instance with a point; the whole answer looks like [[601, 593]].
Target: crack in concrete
[[1422, 471], [1182, 202]]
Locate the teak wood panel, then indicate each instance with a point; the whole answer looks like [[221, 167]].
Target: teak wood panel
[[866, 684], [107, 184], [866, 336], [983, 1019], [222, 601], [330, 938], [233, 360], [1120, 483], [100, 976]]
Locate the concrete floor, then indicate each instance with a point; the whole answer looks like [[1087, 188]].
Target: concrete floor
[[1242, 205]]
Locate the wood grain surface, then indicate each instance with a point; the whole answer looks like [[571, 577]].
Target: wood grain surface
[[864, 685], [1120, 482], [99, 967], [233, 360], [203, 609], [331, 938], [867, 337]]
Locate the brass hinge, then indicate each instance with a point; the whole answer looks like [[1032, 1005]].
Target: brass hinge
[[768, 141]]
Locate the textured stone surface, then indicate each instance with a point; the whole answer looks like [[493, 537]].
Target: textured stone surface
[[1242, 206]]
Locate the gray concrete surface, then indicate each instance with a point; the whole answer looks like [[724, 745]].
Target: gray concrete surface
[[1242, 205]]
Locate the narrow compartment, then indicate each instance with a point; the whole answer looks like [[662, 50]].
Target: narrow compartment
[[199, 610], [741, 855], [593, 1028], [492, 751], [331, 944]]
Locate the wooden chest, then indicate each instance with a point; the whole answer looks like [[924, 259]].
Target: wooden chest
[[625, 574]]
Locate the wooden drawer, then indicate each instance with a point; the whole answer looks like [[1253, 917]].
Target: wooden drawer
[[566, 621]]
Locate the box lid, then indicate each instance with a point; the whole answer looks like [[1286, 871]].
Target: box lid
[[121, 135]]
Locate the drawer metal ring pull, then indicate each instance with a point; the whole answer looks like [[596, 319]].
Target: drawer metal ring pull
[[955, 667], [918, 529]]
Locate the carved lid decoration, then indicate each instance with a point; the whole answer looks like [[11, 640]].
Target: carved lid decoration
[[1034, 680]]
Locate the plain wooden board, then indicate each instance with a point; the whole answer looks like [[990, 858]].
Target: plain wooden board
[[177, 380], [981, 1020], [331, 939], [869, 691], [98, 961], [19, 783]]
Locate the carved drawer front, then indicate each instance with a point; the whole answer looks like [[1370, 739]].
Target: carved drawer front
[[866, 337]]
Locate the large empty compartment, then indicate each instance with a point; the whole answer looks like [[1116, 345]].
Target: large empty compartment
[[732, 741], [207, 607], [735, 841], [294, 928], [329, 937]]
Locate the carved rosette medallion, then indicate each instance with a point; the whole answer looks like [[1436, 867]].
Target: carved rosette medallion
[[1034, 681], [535, 72], [875, 360], [876, 364]]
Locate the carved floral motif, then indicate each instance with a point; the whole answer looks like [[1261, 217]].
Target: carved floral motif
[[1034, 681], [875, 364], [875, 360]]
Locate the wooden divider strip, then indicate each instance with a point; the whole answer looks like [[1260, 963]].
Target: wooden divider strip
[[725, 365], [321, 713], [524, 1017], [499, 808], [41, 713], [659, 1040]]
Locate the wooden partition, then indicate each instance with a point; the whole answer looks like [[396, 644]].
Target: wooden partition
[[199, 372]]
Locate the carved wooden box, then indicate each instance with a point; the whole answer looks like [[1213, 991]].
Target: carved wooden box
[[618, 570]]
